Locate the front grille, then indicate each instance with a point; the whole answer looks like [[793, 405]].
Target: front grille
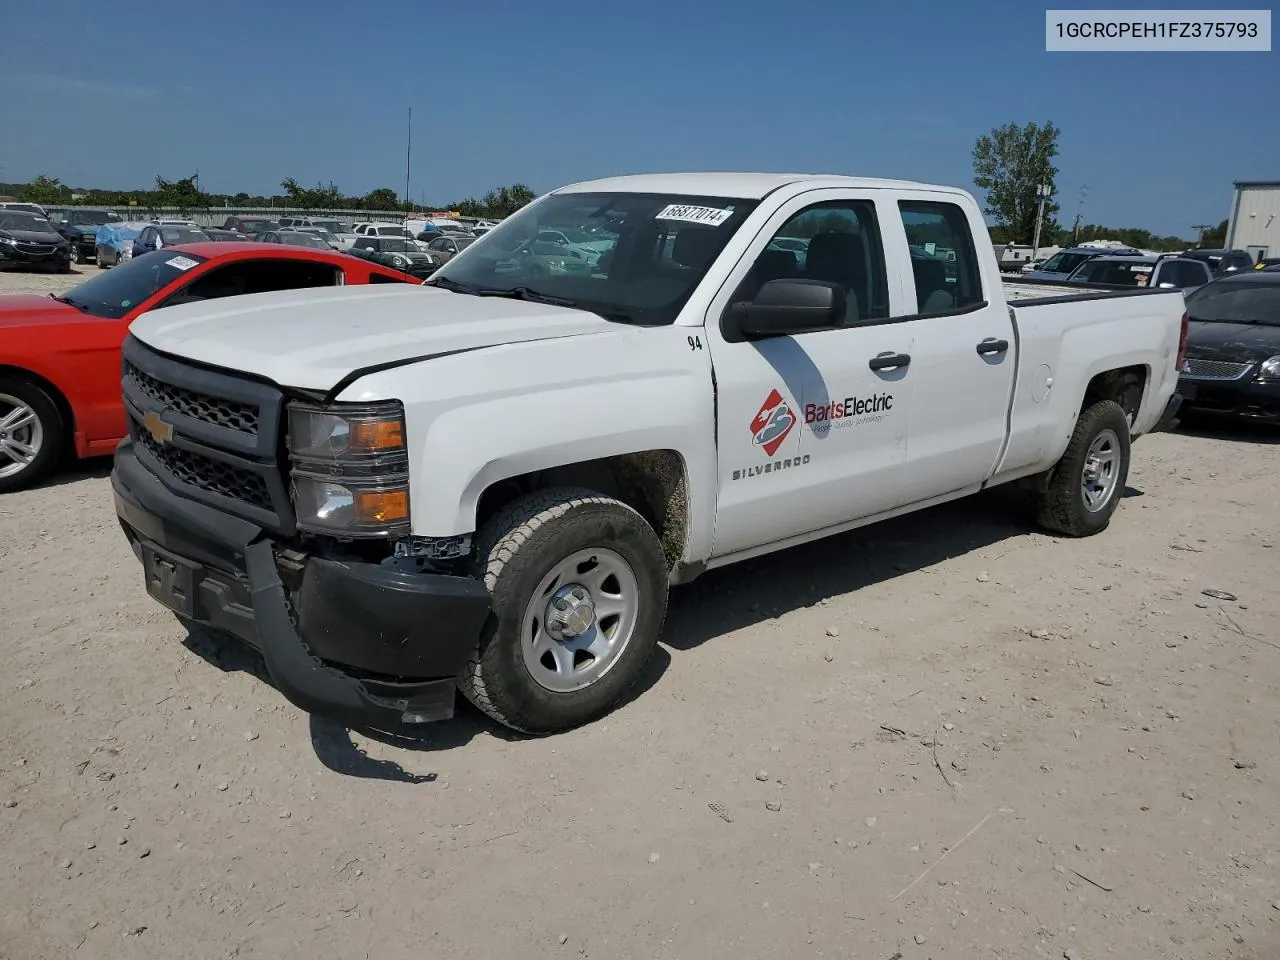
[[1214, 369], [35, 249], [205, 473], [198, 406]]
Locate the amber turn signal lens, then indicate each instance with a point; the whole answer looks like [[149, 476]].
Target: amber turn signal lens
[[376, 436], [379, 507]]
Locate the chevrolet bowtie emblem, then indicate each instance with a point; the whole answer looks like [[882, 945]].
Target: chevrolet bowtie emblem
[[160, 431]]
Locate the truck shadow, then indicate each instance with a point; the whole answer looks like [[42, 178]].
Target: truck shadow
[[752, 591], [337, 749], [717, 603], [1231, 431]]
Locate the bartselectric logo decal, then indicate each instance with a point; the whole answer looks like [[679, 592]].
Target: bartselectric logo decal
[[821, 418], [769, 428], [773, 421]]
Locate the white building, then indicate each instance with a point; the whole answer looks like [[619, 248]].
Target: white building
[[1254, 224]]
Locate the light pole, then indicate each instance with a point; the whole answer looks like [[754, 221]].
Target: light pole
[[1043, 193]]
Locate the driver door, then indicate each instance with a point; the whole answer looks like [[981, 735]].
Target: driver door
[[812, 428]]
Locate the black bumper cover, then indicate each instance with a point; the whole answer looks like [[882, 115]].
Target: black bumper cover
[[1169, 419], [371, 647], [1251, 399]]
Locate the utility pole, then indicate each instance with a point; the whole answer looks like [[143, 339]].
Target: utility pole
[[1043, 193], [1201, 227], [1075, 230], [408, 152]]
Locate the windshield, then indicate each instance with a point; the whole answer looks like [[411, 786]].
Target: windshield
[[175, 235], [333, 226], [394, 232], [1236, 303], [1064, 262], [299, 239], [396, 245], [647, 252], [464, 242], [22, 208], [116, 292], [1112, 271], [91, 217], [257, 226], [10, 220]]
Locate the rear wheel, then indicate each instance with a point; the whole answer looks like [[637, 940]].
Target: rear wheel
[[77, 256], [1086, 485], [579, 588], [31, 434]]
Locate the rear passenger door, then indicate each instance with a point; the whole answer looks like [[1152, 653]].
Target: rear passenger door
[[963, 359], [812, 428]]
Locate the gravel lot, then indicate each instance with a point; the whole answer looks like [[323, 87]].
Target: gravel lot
[[946, 736]]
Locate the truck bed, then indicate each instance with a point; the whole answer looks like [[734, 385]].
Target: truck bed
[[1016, 289]]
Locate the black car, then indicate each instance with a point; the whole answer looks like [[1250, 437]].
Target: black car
[[1222, 262], [163, 234], [224, 236], [28, 240], [397, 253], [1232, 366], [80, 227]]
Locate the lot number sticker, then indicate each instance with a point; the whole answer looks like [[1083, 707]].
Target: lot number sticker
[[708, 215], [181, 263]]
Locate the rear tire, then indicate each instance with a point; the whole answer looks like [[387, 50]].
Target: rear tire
[[571, 553], [1087, 484], [32, 434]]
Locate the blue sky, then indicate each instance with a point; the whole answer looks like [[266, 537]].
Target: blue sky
[[549, 93]]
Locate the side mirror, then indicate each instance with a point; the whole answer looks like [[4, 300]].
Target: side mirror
[[786, 307]]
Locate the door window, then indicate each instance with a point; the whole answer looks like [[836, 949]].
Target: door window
[[257, 276], [943, 263], [837, 242]]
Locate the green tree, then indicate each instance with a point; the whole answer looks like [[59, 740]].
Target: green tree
[[319, 197], [43, 190], [383, 198], [183, 194], [1215, 237], [1009, 163]]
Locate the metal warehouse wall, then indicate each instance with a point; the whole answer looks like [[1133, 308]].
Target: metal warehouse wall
[[1255, 218]]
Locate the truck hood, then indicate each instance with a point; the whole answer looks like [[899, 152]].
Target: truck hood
[[313, 339]]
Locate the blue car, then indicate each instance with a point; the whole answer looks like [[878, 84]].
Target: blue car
[[1065, 262]]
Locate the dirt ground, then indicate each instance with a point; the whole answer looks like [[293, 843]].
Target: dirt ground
[[946, 736]]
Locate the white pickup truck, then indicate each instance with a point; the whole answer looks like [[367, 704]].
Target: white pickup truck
[[490, 481]]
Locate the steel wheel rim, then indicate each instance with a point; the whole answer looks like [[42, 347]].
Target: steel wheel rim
[[21, 435], [1101, 471], [565, 657]]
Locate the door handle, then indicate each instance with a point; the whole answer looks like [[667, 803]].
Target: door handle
[[992, 345], [889, 361]]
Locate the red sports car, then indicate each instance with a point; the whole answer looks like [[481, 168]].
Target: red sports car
[[60, 355]]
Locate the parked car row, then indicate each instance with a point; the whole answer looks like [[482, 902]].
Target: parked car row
[[60, 385]]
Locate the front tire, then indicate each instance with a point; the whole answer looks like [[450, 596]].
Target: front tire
[[31, 434], [579, 588], [1086, 485]]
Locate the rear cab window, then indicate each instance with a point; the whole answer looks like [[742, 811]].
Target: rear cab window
[[944, 265]]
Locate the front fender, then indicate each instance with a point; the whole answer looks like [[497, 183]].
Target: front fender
[[476, 418]]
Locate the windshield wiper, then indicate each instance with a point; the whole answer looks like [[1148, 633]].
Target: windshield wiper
[[69, 302], [454, 286]]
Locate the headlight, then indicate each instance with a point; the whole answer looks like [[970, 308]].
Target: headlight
[[398, 261], [8, 241], [350, 468], [1271, 368]]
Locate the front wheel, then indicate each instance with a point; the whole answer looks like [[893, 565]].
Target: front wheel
[[579, 588], [77, 256], [31, 434], [1086, 485]]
